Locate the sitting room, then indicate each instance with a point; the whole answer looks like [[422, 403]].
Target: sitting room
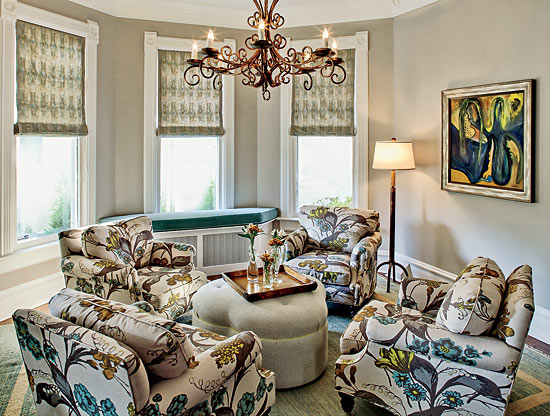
[[358, 227]]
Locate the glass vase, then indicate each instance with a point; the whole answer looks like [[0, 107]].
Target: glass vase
[[252, 270], [268, 275], [277, 253]]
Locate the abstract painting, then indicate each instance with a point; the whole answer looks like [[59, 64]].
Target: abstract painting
[[487, 140]]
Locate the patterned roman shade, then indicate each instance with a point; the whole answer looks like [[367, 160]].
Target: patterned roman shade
[[50, 82], [186, 110], [327, 109]]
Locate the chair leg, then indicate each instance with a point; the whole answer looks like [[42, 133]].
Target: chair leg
[[347, 402], [266, 412]]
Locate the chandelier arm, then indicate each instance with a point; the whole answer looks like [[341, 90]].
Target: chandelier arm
[[259, 7], [194, 79], [272, 9]]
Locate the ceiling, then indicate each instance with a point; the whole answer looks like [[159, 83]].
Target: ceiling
[[233, 13]]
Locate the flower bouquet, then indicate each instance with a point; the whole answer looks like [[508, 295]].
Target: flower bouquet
[[251, 231], [268, 260], [277, 244]]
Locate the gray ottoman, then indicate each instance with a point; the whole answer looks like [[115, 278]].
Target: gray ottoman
[[293, 329]]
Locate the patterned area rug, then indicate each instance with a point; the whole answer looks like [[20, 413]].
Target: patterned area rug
[[530, 395]]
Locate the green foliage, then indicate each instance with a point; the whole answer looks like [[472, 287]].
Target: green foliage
[[209, 197], [60, 216], [334, 201]]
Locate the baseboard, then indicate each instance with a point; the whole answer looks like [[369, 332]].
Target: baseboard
[[539, 326], [30, 295], [419, 268]]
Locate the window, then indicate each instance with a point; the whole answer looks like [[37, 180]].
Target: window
[[325, 170], [188, 173], [188, 135], [47, 174], [47, 185], [322, 163]]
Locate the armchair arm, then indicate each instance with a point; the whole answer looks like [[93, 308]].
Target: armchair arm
[[364, 250], [218, 364], [295, 244], [169, 254], [98, 276], [421, 336], [423, 295]]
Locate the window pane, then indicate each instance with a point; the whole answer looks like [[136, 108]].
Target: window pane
[[47, 185], [325, 171], [188, 173]]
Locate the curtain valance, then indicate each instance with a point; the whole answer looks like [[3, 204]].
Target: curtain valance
[[50, 82], [186, 110], [327, 109]]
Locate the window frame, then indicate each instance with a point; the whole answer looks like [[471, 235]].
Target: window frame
[[151, 140], [289, 143], [10, 12]]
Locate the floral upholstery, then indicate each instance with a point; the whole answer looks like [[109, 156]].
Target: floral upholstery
[[159, 343], [330, 267], [338, 246], [423, 295], [517, 308], [75, 370], [473, 303], [400, 359], [169, 290], [123, 242], [121, 261], [72, 368], [338, 228]]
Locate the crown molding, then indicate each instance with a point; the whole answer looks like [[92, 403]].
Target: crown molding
[[233, 13]]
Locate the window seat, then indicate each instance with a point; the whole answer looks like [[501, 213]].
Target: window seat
[[196, 220]]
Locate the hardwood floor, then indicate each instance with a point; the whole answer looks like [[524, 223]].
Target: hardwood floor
[[532, 342]]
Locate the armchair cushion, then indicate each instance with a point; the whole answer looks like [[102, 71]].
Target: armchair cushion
[[472, 305], [295, 244], [424, 295], [169, 290], [338, 229], [414, 333], [161, 345], [330, 267], [517, 308], [124, 242]]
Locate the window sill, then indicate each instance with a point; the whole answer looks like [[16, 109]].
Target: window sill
[[29, 257]]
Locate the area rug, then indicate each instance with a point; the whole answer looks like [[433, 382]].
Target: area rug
[[530, 395]]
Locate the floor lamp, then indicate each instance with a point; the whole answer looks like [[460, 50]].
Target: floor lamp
[[393, 155]]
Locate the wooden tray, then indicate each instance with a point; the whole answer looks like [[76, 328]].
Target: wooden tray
[[293, 282]]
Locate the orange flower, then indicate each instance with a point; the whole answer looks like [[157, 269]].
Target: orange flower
[[275, 242], [267, 258]]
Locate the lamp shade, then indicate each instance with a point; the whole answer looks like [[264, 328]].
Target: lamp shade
[[393, 155]]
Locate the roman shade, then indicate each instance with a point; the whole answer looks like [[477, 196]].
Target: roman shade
[[327, 109], [50, 82], [186, 110]]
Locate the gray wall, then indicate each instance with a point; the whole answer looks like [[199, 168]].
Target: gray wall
[[457, 43]]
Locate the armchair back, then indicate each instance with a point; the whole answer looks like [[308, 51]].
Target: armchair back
[[337, 228], [123, 242], [72, 368]]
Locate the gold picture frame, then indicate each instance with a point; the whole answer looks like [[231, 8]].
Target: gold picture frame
[[487, 133]]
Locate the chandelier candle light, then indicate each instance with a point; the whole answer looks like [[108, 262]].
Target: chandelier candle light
[[270, 63]]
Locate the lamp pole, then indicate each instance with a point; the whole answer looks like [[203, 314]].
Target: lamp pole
[[391, 263]]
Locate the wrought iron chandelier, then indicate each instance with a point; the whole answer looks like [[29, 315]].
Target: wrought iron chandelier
[[269, 65]]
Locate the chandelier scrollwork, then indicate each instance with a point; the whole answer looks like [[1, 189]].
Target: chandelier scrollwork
[[270, 63]]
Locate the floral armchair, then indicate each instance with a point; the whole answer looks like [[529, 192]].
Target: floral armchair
[[401, 357], [121, 261], [94, 359], [339, 247]]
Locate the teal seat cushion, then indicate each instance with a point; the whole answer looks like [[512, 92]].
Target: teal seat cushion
[[192, 220]]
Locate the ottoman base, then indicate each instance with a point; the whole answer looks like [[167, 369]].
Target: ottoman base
[[295, 361]]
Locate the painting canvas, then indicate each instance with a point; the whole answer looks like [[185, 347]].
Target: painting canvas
[[487, 140]]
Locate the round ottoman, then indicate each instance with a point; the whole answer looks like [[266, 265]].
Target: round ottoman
[[293, 328]]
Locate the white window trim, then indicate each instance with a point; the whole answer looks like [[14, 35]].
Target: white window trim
[[151, 154], [359, 42], [10, 12]]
